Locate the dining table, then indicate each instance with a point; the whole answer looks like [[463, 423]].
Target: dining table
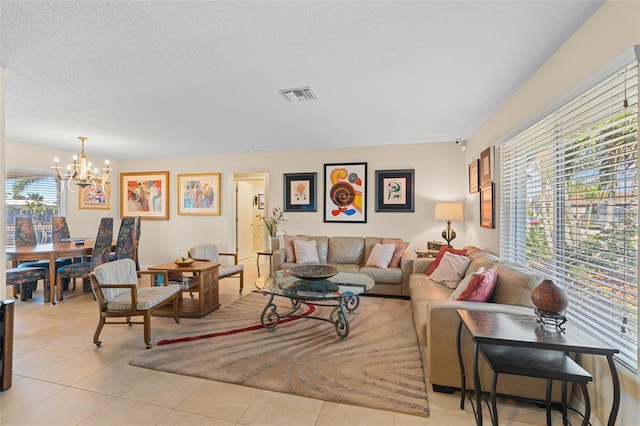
[[51, 252]]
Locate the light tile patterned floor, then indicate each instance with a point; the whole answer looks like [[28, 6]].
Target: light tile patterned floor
[[61, 378]]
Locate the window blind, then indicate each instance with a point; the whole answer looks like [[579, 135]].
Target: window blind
[[569, 206]]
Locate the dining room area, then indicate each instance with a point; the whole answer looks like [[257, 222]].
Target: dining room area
[[62, 260]]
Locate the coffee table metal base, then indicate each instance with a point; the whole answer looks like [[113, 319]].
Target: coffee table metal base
[[270, 317]]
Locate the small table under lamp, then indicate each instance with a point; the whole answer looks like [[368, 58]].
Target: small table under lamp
[[449, 212]]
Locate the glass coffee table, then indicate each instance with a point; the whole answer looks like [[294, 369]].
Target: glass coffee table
[[341, 291]]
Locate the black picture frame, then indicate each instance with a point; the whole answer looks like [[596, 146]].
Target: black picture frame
[[395, 191], [345, 192], [300, 192]]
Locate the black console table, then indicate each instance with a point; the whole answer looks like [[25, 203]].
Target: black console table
[[493, 329]]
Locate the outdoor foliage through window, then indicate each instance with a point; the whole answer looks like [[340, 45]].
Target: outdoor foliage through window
[[569, 207], [31, 194]]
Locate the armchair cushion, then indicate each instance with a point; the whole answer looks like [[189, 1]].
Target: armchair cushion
[[205, 251], [117, 272], [224, 271], [148, 297]]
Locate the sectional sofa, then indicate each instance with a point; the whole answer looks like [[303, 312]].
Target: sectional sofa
[[350, 254], [436, 323]]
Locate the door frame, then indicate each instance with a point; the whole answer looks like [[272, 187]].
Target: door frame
[[247, 177]]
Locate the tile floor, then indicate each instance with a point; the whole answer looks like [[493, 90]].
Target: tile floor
[[61, 378]]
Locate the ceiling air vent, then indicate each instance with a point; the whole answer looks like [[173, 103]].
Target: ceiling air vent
[[299, 95]]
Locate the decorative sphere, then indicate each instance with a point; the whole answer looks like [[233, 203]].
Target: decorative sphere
[[549, 297]]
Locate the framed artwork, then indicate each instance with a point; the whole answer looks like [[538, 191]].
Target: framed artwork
[[300, 192], [486, 206], [261, 201], [199, 194], [474, 176], [485, 166], [95, 198], [345, 192], [145, 194], [394, 190]]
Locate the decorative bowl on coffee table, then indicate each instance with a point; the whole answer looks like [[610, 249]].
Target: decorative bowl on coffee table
[[313, 272]]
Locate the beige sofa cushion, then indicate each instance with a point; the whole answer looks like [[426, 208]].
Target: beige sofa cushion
[[322, 244], [382, 275], [514, 285], [346, 250]]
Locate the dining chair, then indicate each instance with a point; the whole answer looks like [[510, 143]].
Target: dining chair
[[210, 253], [128, 240], [25, 235], [24, 277], [60, 233], [99, 255], [115, 286]]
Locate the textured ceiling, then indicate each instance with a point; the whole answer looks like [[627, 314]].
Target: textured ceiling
[[143, 79]]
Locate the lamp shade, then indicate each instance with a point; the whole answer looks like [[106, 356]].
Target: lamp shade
[[449, 211]]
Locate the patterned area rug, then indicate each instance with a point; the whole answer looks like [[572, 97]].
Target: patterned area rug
[[378, 365]]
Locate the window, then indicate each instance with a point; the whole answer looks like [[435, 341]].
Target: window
[[569, 206], [31, 193]]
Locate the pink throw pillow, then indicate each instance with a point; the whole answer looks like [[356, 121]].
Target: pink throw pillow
[[401, 246], [480, 288], [288, 246]]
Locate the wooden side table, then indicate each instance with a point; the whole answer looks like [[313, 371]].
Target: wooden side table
[[208, 299], [426, 253], [516, 331], [265, 253]]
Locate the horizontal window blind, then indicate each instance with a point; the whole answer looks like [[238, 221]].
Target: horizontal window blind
[[31, 193], [569, 207]]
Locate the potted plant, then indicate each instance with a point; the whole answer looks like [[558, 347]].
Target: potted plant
[[273, 225]]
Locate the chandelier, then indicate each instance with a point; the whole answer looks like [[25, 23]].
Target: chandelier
[[80, 172]]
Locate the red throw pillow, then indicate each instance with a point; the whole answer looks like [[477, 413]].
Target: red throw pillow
[[480, 288], [443, 250]]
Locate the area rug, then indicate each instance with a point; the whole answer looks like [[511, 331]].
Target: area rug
[[378, 365]]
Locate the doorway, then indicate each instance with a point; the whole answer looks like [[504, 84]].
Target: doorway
[[250, 190]]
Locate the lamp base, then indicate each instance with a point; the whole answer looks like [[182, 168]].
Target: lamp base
[[448, 234]]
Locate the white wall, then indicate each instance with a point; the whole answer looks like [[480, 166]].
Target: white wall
[[443, 179], [82, 223], [611, 31], [440, 175]]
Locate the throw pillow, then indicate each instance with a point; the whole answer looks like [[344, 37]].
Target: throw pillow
[[443, 250], [481, 287], [401, 246], [451, 270], [464, 283], [290, 254], [381, 255], [306, 251]]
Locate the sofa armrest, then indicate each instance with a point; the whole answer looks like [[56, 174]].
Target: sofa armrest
[[406, 265], [278, 258], [421, 265], [441, 338]]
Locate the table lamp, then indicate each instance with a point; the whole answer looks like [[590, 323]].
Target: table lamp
[[448, 212]]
